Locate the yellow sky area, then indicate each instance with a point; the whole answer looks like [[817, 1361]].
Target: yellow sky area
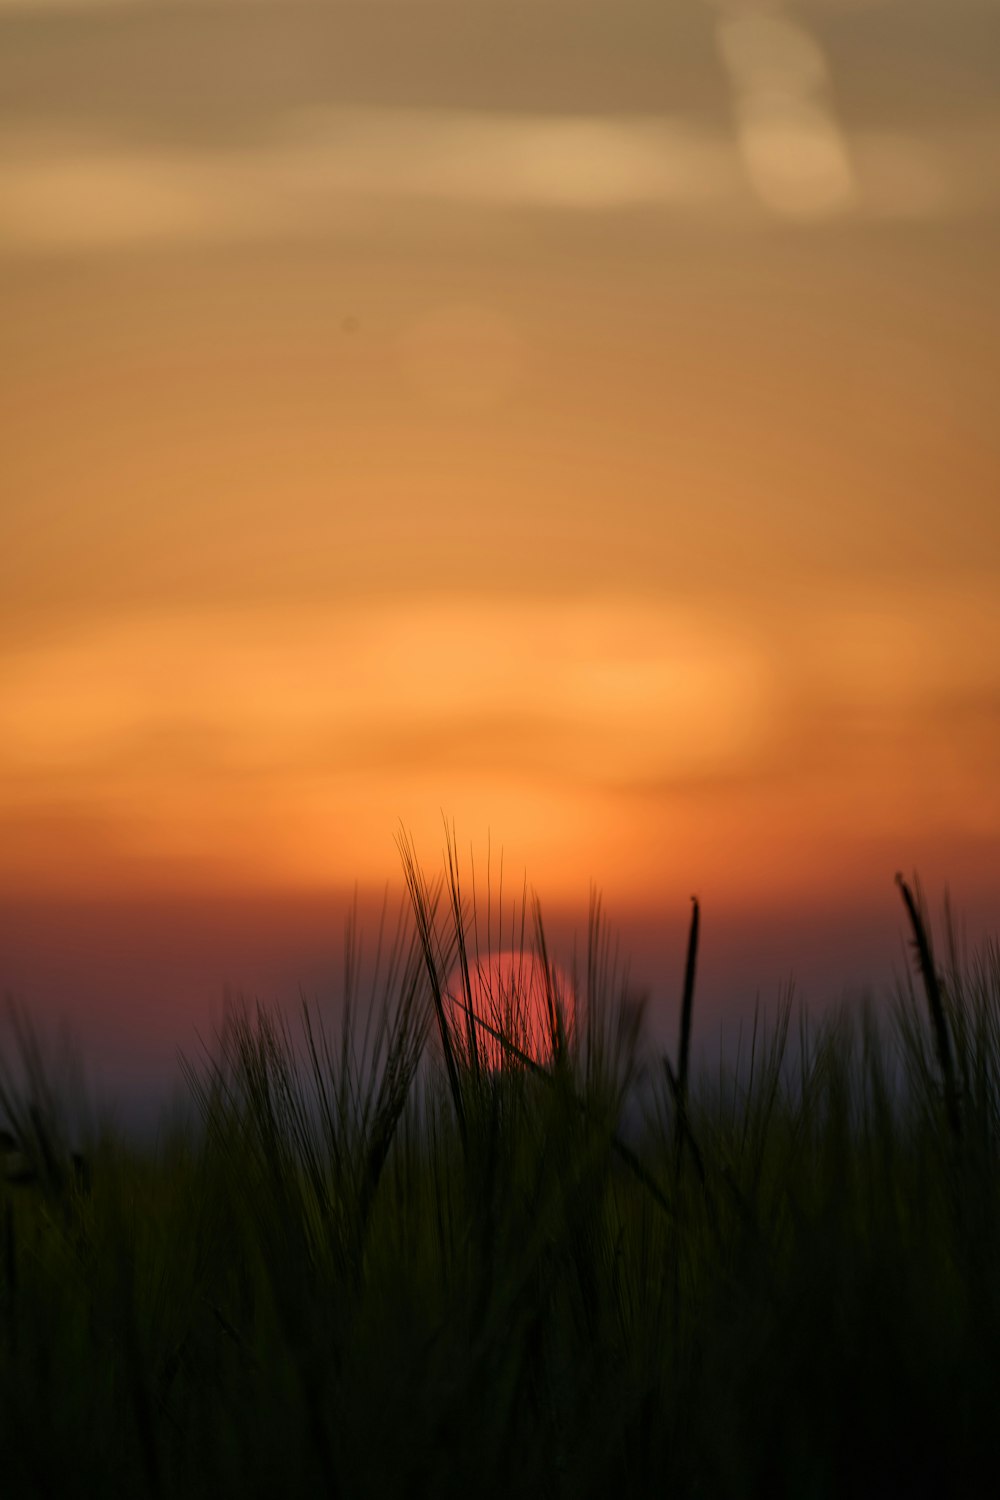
[[605, 740], [312, 425], [577, 417]]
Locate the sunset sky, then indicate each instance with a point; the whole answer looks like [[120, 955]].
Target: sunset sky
[[575, 416]]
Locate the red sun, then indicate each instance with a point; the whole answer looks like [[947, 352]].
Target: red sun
[[510, 996]]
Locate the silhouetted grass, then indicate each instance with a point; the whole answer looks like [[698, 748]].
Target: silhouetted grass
[[372, 1265]]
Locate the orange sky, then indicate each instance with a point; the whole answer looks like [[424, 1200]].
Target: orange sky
[[577, 418]]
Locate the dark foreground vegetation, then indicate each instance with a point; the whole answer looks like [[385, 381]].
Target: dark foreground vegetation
[[364, 1264]]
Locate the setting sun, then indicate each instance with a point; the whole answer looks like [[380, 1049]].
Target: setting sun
[[521, 1007]]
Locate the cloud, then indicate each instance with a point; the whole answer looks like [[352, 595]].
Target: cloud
[[345, 171], [320, 168], [589, 690]]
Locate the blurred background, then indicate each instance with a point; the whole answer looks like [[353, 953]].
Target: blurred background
[[575, 416]]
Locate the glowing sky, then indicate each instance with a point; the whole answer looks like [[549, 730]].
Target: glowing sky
[[579, 416]]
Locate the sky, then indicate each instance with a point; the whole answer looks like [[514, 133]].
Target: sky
[[573, 418]]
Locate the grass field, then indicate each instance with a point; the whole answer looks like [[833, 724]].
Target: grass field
[[362, 1262]]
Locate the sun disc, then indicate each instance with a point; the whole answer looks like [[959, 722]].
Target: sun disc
[[519, 1011]]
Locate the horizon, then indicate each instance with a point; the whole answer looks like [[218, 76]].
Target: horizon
[[123, 990]]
